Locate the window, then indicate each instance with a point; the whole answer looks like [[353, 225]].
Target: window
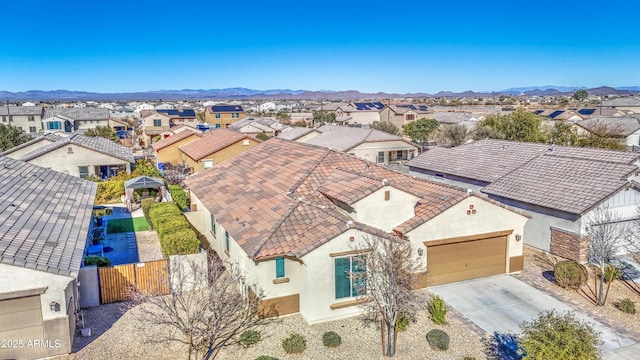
[[235, 115], [10, 118], [346, 282], [226, 240], [4, 118], [157, 122], [54, 125], [217, 126], [32, 129], [411, 117], [208, 164], [31, 118], [218, 116], [70, 150], [213, 225], [279, 268], [84, 171], [380, 157]]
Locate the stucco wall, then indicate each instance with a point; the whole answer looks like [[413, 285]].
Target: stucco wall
[[222, 155], [364, 117], [18, 153], [63, 161], [172, 153], [369, 150], [384, 214]]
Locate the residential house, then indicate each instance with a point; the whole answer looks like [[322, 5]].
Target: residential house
[[164, 106], [167, 150], [139, 108], [45, 219], [221, 116], [28, 103], [626, 128], [27, 118], [119, 125], [626, 104], [369, 144], [153, 123], [293, 217], [181, 116], [359, 113], [75, 154], [254, 126], [402, 114], [559, 186], [71, 120], [214, 147], [267, 107]]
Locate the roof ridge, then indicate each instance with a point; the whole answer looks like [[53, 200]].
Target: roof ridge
[[310, 171], [354, 172], [568, 156], [275, 228]]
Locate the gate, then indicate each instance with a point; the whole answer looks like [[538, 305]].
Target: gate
[[116, 281]]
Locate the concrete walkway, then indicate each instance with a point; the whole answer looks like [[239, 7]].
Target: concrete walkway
[[499, 304]]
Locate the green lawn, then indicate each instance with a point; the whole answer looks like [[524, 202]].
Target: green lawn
[[127, 225]]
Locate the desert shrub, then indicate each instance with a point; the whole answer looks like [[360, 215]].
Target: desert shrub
[[437, 310], [469, 358], [627, 306], [146, 205], [438, 339], [264, 357], [96, 260], [569, 274], [249, 337], [403, 322], [179, 196], [554, 336], [331, 339], [180, 243], [294, 344]]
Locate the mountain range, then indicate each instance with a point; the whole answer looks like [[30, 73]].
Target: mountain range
[[287, 94]]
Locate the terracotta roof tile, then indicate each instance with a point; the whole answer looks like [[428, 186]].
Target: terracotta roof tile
[[215, 140], [176, 137]]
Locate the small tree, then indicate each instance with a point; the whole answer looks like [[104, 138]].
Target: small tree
[[387, 283], [106, 132], [607, 233], [204, 309], [12, 136], [420, 129], [386, 126], [452, 135], [580, 95], [323, 117], [201, 116], [559, 336]]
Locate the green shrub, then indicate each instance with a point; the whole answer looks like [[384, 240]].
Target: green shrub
[[159, 210], [171, 224], [627, 306], [96, 260], [262, 136], [331, 339], [403, 322], [469, 358], [264, 357], [146, 206], [249, 337], [294, 344], [109, 192], [179, 196], [180, 243], [611, 273], [437, 310], [569, 274], [438, 339]]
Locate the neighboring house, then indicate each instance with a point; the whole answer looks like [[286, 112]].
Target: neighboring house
[[181, 117], [28, 103], [402, 114], [214, 147], [626, 128], [153, 123], [118, 125], [164, 106], [267, 107], [139, 108], [369, 144], [167, 150], [293, 217], [75, 154], [359, 113], [221, 116], [558, 185], [254, 126], [627, 104], [45, 220], [71, 120], [28, 118]]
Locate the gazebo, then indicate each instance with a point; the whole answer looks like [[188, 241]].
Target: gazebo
[[142, 182]]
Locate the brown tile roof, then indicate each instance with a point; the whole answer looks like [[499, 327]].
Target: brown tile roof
[[179, 136], [270, 198], [489, 160], [563, 183], [214, 141]]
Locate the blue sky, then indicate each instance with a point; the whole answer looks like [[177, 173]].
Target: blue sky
[[402, 46]]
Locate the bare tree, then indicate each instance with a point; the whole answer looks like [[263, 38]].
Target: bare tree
[[607, 233], [452, 135], [207, 308], [385, 285]]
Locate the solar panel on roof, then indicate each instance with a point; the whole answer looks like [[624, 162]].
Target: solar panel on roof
[[555, 113], [586, 111], [538, 112]]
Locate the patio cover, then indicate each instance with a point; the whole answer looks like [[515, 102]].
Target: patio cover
[[143, 182]]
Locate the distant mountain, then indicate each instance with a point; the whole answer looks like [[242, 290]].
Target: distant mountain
[[287, 94]]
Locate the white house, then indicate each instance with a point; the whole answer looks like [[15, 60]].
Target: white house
[[267, 106], [293, 216], [74, 119], [45, 219]]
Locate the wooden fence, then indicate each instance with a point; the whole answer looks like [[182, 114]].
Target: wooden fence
[[115, 281]]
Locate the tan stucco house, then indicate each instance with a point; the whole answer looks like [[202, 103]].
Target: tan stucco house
[[27, 118], [153, 124], [221, 116], [214, 147], [45, 218], [167, 150], [293, 216]]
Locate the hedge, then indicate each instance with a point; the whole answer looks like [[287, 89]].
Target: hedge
[[146, 206], [109, 192], [179, 196], [173, 229]]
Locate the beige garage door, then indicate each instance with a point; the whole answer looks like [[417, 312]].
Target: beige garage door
[[21, 322], [465, 258]]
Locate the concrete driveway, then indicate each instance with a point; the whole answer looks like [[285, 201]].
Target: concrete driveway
[[499, 304]]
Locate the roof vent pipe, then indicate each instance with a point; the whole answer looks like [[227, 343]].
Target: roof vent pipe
[[385, 182], [349, 223]]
